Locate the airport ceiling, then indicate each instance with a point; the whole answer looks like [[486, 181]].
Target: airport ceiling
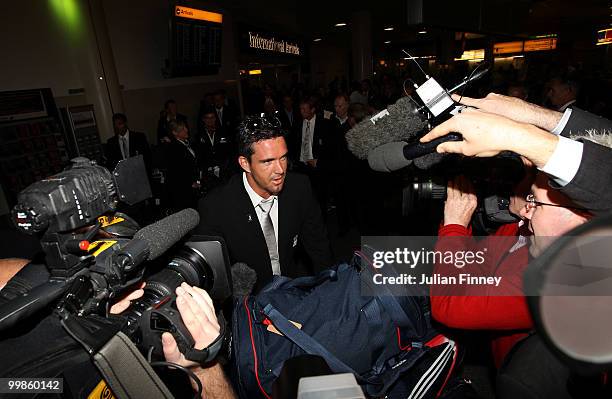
[[513, 18]]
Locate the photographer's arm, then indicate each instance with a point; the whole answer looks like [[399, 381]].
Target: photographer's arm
[[198, 314], [486, 135], [515, 109]]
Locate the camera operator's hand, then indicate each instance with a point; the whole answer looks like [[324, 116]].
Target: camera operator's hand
[[198, 314], [486, 135], [461, 202], [124, 302], [514, 108]]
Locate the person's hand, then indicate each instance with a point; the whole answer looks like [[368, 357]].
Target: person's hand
[[312, 163], [125, 301], [165, 139], [198, 315], [461, 202], [513, 108], [196, 185], [484, 134]]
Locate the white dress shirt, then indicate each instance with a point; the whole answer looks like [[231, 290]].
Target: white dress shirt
[[565, 160], [308, 127], [255, 200]]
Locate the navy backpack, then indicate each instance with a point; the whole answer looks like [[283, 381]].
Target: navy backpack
[[386, 341]]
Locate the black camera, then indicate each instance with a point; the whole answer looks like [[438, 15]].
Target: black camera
[[494, 180], [90, 263]]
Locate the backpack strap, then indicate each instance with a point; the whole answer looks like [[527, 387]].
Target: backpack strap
[[306, 342], [308, 281]]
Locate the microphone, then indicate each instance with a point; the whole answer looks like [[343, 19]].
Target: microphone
[[160, 236], [399, 122], [243, 279], [397, 155]]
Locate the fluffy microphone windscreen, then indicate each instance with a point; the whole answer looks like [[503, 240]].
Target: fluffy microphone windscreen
[[243, 279], [401, 124], [162, 235]]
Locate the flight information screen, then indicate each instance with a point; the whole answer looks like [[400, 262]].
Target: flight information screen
[[195, 41]]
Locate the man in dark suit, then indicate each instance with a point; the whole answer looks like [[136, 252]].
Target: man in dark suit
[[169, 113], [216, 151], [126, 143], [265, 214], [310, 146], [183, 180], [288, 115], [227, 114]]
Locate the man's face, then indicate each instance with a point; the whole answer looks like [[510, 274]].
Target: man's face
[[171, 109], [288, 103], [219, 100], [120, 126], [341, 106], [559, 93], [547, 222], [267, 168], [307, 111], [210, 121], [182, 134]]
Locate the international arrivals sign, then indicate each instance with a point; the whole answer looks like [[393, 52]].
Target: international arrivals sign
[[268, 42]]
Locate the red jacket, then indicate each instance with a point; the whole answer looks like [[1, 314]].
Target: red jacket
[[503, 309]]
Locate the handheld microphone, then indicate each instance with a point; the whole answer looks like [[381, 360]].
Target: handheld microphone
[[397, 155], [399, 122], [243, 279]]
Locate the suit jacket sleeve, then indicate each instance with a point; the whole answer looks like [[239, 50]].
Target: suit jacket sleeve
[[580, 121], [314, 234], [590, 187]]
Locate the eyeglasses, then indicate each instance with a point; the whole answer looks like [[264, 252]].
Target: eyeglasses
[[532, 204]]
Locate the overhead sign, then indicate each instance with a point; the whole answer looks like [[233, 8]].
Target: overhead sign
[[542, 44], [604, 37], [200, 15], [273, 44]]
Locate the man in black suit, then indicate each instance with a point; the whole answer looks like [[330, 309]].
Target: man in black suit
[[216, 151], [310, 148], [169, 113], [265, 214], [227, 114], [126, 143], [183, 180], [288, 115]]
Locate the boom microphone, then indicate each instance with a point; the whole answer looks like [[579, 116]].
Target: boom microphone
[[399, 122], [162, 235], [397, 155]]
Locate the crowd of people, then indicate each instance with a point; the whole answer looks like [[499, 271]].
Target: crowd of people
[[267, 183]]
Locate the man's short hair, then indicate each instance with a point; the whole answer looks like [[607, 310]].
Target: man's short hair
[[254, 129], [344, 96], [175, 126], [168, 102], [310, 101], [358, 111], [119, 117]]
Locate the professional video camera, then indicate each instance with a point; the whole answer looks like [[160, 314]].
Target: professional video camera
[[72, 209], [390, 142]]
